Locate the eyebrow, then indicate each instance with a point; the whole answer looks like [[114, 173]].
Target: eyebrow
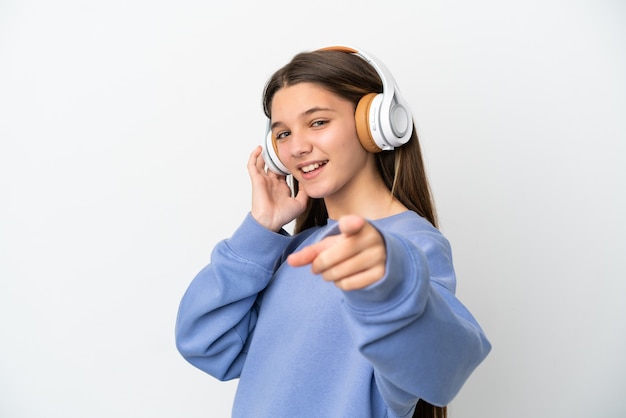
[[307, 113]]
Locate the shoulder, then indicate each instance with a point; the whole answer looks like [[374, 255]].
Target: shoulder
[[417, 235], [407, 223], [410, 226]]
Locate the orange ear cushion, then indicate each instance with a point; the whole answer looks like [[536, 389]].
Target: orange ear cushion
[[361, 116], [274, 144]]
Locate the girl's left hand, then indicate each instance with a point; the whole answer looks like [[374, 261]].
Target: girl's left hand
[[353, 259]]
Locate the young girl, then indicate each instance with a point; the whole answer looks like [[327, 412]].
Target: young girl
[[354, 315]]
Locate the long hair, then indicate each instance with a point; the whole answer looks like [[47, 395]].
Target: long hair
[[402, 170]]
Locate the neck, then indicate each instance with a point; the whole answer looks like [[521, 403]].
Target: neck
[[374, 201]]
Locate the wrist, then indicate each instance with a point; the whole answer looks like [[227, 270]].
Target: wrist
[[265, 221]]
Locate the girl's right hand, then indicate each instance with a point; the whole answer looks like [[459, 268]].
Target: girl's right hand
[[272, 203]]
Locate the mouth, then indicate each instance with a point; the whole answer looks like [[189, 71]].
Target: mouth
[[312, 167]]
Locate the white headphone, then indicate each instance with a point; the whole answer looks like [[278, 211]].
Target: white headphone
[[383, 120]]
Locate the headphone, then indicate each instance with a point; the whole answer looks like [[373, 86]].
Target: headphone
[[383, 120]]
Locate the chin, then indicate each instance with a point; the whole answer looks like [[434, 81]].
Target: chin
[[314, 193]]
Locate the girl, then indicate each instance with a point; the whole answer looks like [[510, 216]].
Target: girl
[[354, 315]]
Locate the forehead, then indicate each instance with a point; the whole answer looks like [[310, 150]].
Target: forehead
[[299, 98]]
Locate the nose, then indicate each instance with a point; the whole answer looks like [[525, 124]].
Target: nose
[[299, 144]]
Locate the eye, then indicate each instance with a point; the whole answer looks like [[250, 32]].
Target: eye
[[318, 123], [282, 135]]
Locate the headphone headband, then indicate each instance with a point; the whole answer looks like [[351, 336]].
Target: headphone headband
[[387, 79], [383, 120]]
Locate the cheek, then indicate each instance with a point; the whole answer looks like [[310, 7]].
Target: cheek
[[355, 147], [282, 150]]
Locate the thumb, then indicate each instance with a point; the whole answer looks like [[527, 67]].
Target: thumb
[[302, 197], [351, 224]]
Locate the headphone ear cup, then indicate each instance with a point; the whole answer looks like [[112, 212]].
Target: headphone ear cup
[[362, 116], [270, 156]]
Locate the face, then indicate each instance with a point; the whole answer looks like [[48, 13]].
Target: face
[[317, 141]]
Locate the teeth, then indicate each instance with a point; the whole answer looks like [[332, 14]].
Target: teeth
[[311, 167]]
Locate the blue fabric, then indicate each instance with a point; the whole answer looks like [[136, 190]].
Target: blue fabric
[[301, 347]]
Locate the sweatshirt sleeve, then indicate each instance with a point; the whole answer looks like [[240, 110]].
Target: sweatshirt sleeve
[[422, 342], [218, 311]]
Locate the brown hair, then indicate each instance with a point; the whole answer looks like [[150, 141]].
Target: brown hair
[[402, 170]]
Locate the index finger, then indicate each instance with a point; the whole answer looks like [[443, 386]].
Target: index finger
[[308, 254]]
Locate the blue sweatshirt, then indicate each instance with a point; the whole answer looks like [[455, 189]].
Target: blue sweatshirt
[[301, 347]]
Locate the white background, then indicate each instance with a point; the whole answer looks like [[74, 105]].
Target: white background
[[125, 127]]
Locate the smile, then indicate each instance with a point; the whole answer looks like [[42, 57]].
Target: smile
[[311, 167]]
